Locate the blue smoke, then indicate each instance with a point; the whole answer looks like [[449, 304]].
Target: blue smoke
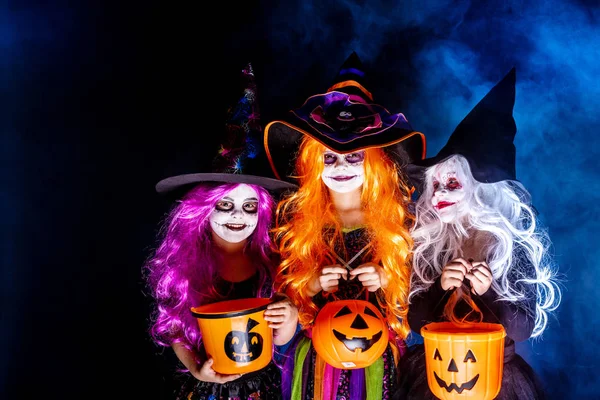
[[433, 61]]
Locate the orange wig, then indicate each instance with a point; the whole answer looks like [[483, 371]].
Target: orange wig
[[304, 253]]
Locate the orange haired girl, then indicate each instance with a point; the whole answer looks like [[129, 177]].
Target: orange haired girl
[[358, 202]]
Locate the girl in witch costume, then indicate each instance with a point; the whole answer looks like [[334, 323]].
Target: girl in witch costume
[[344, 233], [480, 253], [215, 245]]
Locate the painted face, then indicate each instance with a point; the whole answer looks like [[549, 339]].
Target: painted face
[[235, 215], [448, 194], [343, 173]]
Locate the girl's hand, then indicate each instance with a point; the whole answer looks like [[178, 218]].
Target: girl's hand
[[205, 373], [480, 277], [282, 316], [328, 280], [372, 276], [454, 273], [281, 313]]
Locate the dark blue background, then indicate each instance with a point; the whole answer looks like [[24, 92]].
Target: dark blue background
[[101, 101]]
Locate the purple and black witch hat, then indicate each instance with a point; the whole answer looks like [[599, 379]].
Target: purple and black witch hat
[[344, 119]]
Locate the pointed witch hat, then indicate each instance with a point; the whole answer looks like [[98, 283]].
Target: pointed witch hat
[[484, 137], [344, 119], [239, 144]]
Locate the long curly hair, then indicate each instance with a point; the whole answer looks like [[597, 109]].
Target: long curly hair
[[303, 216], [518, 254], [182, 271]]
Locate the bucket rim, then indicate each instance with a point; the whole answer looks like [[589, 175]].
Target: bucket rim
[[232, 314], [495, 329]]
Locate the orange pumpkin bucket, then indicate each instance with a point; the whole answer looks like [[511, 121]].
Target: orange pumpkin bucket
[[464, 361], [236, 335], [350, 334]]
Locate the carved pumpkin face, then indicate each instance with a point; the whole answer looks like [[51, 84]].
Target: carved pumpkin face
[[350, 334], [464, 362], [244, 346]]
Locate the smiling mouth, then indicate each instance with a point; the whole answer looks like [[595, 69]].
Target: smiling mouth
[[342, 178], [443, 204], [235, 227]]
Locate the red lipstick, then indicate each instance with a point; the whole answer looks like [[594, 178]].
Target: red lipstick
[[443, 204]]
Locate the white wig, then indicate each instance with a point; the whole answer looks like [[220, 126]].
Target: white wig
[[519, 256]]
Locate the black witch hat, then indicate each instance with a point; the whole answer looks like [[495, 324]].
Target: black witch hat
[[240, 143], [344, 119], [484, 137]]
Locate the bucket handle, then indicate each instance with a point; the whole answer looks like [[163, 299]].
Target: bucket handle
[[469, 289], [347, 264]]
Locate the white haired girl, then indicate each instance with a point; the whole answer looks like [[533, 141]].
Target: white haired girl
[[480, 253]]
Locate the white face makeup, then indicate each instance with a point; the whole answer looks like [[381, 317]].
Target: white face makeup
[[448, 194], [343, 173], [235, 216]]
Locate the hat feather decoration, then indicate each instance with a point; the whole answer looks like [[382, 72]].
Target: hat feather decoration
[[242, 130]]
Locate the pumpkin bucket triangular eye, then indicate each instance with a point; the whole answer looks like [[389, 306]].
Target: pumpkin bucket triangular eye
[[251, 324], [437, 355], [470, 357], [370, 312], [344, 311]]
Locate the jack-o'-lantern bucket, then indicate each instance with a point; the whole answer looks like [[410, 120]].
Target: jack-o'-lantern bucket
[[464, 361], [236, 335], [350, 334]]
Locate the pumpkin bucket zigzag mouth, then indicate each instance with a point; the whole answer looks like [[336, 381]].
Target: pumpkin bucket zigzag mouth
[[453, 386]]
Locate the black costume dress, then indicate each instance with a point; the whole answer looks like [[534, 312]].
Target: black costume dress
[[350, 384], [519, 381], [264, 384]]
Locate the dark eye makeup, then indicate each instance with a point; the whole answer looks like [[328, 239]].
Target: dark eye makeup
[[351, 158], [249, 207]]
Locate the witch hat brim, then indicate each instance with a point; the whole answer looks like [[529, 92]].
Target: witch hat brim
[[344, 119], [179, 181], [484, 137], [282, 141]]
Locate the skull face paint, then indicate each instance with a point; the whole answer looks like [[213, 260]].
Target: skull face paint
[[235, 216], [343, 173], [448, 193]]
